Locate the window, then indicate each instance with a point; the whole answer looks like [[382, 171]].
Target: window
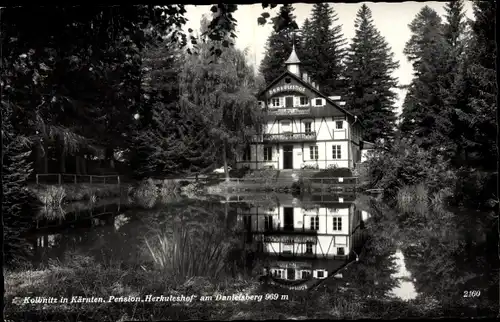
[[333, 210], [304, 100], [313, 152], [275, 102], [247, 222], [309, 248], [268, 153], [339, 125], [305, 274], [320, 274], [318, 102], [307, 127], [288, 80], [336, 152], [337, 223], [315, 223], [268, 222], [247, 154], [277, 273], [340, 251], [287, 247]]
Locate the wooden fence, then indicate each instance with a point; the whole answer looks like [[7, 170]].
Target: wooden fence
[[65, 178]]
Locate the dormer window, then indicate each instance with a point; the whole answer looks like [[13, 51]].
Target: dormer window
[[319, 102]]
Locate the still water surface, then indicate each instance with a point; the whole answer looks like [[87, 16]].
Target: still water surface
[[298, 243]]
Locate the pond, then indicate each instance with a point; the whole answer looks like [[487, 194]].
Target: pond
[[343, 244]]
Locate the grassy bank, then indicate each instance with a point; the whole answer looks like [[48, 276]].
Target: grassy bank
[[58, 194], [82, 277]]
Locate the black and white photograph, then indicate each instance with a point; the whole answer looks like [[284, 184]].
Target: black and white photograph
[[250, 161]]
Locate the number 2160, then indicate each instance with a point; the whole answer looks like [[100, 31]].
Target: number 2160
[[472, 293]]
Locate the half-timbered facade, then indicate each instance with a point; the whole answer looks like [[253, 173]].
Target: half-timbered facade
[[303, 128], [304, 242]]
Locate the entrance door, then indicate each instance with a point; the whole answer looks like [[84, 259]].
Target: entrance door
[[290, 273], [288, 218], [289, 101], [288, 157]]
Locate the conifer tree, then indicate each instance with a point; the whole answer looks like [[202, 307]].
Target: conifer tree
[[370, 64], [425, 119], [453, 80], [17, 201], [481, 90], [324, 55], [278, 49]]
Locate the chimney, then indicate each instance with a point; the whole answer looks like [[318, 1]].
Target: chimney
[[305, 77]]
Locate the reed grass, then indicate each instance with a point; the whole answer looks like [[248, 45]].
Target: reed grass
[[182, 254]]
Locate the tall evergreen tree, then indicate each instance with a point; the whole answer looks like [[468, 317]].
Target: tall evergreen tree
[[425, 119], [453, 81], [278, 49], [324, 55], [370, 65], [481, 88], [16, 199]]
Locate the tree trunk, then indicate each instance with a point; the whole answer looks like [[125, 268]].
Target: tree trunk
[[109, 152], [77, 163], [62, 162], [224, 158], [39, 158], [84, 164], [46, 158]]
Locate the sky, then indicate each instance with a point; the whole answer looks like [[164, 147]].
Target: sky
[[391, 20]]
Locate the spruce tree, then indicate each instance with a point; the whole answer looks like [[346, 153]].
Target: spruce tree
[[482, 90], [453, 82], [425, 119], [326, 50], [370, 64], [17, 201], [278, 49]]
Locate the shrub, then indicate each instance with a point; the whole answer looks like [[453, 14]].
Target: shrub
[[407, 165], [53, 196]]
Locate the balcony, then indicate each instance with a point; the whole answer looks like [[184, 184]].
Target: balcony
[[290, 137], [295, 111], [280, 231]]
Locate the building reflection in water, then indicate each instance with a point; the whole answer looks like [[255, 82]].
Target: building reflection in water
[[304, 240]]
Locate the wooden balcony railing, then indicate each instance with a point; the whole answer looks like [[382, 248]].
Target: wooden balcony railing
[[289, 111], [289, 137]]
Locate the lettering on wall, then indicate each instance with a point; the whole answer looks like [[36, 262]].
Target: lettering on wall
[[286, 88]]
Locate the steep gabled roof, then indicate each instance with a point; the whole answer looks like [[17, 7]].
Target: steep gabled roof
[[309, 86]]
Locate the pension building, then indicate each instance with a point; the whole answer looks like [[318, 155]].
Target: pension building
[[302, 127]]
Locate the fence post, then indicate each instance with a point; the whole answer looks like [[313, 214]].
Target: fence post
[[118, 177], [59, 178], [75, 178], [36, 178]]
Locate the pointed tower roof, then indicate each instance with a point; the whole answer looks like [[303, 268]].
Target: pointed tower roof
[[293, 59]]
